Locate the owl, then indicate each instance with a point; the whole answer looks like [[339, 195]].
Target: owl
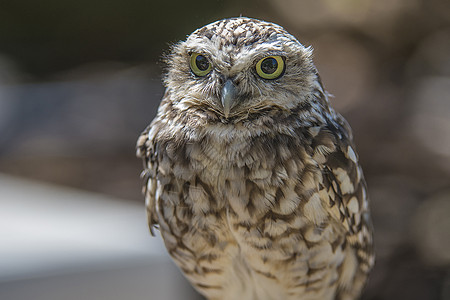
[[250, 175]]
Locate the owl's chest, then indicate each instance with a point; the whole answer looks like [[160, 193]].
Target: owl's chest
[[239, 208], [233, 182]]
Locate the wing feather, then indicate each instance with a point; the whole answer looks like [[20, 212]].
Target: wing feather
[[145, 149], [344, 189]]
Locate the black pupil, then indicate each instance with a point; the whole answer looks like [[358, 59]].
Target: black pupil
[[269, 65], [202, 63]]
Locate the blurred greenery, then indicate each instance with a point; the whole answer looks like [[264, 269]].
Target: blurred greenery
[[51, 35]]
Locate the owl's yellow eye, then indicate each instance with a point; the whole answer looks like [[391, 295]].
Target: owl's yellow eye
[[270, 67], [200, 65]]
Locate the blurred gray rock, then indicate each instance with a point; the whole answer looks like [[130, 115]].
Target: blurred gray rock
[[346, 68], [431, 229], [9, 71], [432, 56], [393, 202], [93, 114], [430, 120]]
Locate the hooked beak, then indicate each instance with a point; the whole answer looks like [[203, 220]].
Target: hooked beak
[[228, 97]]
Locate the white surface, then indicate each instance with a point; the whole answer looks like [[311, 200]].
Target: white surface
[[156, 281], [48, 230]]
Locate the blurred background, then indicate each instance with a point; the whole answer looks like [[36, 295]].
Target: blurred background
[[79, 80]]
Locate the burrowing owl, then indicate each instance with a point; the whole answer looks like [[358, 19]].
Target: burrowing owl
[[250, 175]]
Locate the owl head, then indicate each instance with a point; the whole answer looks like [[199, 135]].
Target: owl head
[[242, 66]]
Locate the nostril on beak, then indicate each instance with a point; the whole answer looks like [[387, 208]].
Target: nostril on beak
[[234, 80]]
